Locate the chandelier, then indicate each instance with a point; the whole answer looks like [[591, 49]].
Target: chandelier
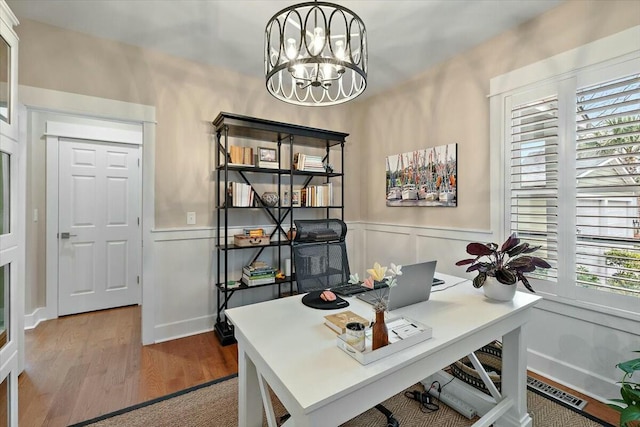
[[315, 54]]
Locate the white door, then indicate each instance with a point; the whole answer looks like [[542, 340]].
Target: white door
[[98, 226]]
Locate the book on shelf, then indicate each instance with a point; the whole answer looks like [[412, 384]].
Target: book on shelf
[[338, 321], [256, 282], [258, 268], [240, 156], [308, 163], [318, 195], [253, 232], [240, 194], [247, 156]]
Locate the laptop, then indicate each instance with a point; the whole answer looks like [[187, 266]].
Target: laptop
[[413, 286]]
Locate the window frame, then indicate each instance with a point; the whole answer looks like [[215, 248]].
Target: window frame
[[561, 75]]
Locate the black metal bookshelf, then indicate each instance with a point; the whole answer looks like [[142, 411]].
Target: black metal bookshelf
[[229, 126]]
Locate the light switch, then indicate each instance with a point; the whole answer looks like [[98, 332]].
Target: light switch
[[191, 218], [35, 215]]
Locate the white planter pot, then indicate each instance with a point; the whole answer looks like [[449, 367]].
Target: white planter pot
[[498, 291]]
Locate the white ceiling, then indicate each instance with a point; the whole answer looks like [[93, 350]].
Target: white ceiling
[[405, 37]]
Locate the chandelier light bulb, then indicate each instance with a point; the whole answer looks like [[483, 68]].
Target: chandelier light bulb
[[291, 51], [327, 70], [318, 40]]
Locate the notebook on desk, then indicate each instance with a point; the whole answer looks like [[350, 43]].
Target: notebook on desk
[[413, 286]]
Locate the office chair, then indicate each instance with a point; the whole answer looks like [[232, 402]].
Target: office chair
[[320, 254], [320, 259]]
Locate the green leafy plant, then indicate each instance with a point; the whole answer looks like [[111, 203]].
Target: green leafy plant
[[630, 392], [629, 263], [507, 264]]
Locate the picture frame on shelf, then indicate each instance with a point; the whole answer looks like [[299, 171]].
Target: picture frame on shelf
[[267, 158], [296, 198], [286, 200]]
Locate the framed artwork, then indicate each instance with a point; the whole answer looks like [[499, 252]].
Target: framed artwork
[[296, 198], [267, 154], [426, 177]]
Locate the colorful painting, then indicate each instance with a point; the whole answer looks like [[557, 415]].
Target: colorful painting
[[426, 177]]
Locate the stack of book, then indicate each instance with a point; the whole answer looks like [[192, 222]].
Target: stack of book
[[258, 273], [240, 194], [317, 195], [253, 232], [308, 163], [241, 156]]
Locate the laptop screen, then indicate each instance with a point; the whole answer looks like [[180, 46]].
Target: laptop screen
[[414, 285]]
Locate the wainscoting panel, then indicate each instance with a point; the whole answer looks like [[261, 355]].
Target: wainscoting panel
[[405, 245]]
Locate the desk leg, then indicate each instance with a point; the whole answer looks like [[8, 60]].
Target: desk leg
[[249, 402], [514, 379]]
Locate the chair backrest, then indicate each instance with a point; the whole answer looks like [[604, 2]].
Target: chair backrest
[[318, 230], [320, 255]]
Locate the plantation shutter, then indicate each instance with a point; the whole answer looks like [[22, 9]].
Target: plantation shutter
[[608, 185], [534, 179]]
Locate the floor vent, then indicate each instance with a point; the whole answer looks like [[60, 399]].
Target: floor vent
[[556, 393]]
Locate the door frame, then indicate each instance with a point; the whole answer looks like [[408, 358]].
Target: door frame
[[90, 107], [55, 131]]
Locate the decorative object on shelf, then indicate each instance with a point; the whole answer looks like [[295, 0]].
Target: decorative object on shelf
[[315, 54], [380, 335], [291, 234], [426, 177], [270, 199], [505, 267], [630, 392], [328, 167], [296, 198]]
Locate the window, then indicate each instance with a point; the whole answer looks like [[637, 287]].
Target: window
[[608, 186], [567, 132]]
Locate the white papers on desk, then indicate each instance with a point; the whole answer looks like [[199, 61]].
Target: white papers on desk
[[400, 329]]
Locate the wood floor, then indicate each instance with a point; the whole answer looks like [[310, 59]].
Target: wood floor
[[79, 367]]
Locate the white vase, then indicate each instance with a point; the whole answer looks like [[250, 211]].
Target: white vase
[[498, 291]]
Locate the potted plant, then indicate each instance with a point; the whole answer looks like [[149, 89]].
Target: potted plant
[[499, 270], [630, 392]]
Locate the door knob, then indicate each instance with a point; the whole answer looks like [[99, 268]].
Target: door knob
[[67, 235]]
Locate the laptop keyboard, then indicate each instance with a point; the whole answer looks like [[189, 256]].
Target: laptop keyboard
[[352, 289]]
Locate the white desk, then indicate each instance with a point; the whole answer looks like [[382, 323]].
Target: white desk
[[287, 345]]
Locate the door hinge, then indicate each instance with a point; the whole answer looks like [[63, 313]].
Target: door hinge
[[138, 162], [138, 221], [138, 280]]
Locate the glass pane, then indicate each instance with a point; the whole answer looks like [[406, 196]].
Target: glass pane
[[4, 304], [5, 52], [4, 193]]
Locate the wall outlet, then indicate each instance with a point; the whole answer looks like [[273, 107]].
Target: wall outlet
[[191, 218]]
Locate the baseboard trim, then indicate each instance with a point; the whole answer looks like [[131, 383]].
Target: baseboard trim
[[183, 328], [572, 376], [31, 321]]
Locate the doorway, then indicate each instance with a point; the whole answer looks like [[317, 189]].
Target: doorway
[[93, 217]]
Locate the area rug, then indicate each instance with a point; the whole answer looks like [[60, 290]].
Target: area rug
[[215, 404]]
